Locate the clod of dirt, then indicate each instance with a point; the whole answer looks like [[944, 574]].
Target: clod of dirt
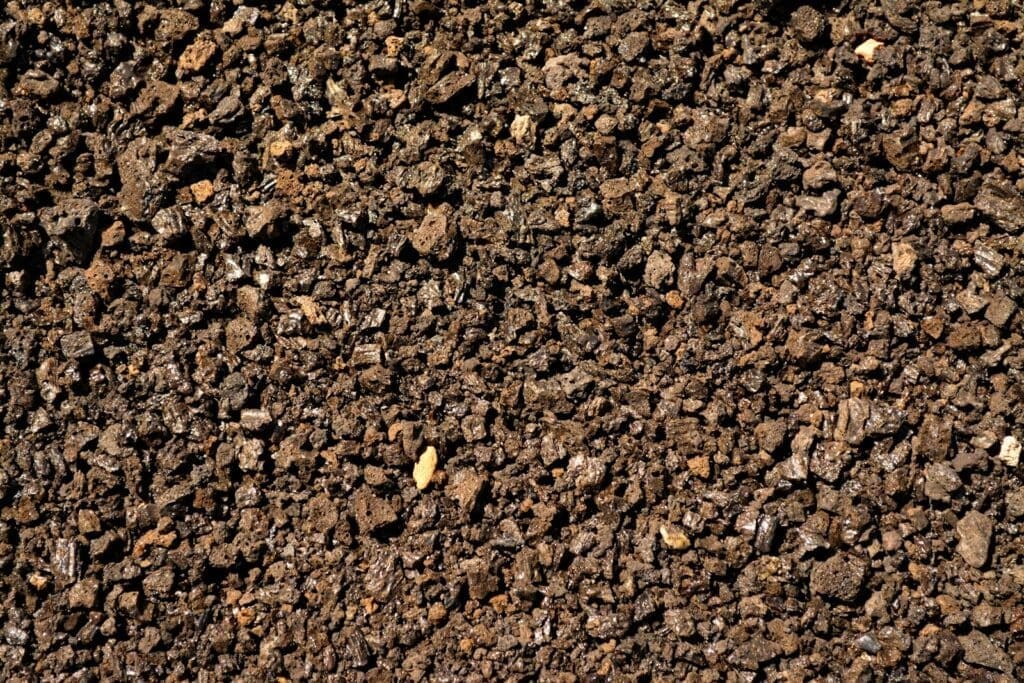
[[424, 468]]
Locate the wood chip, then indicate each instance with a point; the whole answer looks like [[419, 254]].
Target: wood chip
[[866, 50], [673, 538], [425, 467]]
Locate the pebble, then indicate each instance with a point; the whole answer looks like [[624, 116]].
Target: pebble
[[866, 50], [523, 130], [840, 577], [975, 533], [196, 55], [823, 206], [254, 419], [659, 269], [674, 538], [1002, 205], [83, 594], [868, 643], [1009, 451], [979, 649], [904, 259], [1000, 310], [424, 468], [465, 488], [77, 345], [366, 354], [372, 512], [957, 214], [940, 480], [435, 234], [201, 191]]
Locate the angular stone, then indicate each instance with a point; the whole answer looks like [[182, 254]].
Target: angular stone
[[975, 533]]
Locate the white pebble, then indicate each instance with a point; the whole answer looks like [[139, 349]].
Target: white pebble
[[1009, 452]]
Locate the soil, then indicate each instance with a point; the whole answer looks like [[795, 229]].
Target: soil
[[709, 310]]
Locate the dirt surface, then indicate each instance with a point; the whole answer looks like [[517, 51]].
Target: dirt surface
[[423, 340]]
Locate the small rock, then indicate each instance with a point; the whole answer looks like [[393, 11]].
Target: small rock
[[765, 532], [1001, 204], [481, 582], [77, 345], [465, 488], [904, 259], [699, 466], [426, 178], [868, 643], [366, 354], [933, 438], [659, 270], [808, 24], [770, 435], [840, 577], [674, 538], [940, 480], [1009, 451], [1015, 504], [975, 532], [83, 594], [254, 419], [201, 191], [586, 472], [957, 214], [159, 582], [633, 45], [73, 223], [523, 130], [238, 334], [196, 55], [979, 649], [823, 206], [435, 234], [819, 175], [36, 84], [964, 337], [242, 17], [866, 50], [279, 148], [1000, 310], [262, 220], [986, 615], [988, 259], [424, 468], [371, 511], [448, 87]]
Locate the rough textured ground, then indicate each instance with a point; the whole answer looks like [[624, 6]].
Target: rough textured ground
[[712, 321]]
